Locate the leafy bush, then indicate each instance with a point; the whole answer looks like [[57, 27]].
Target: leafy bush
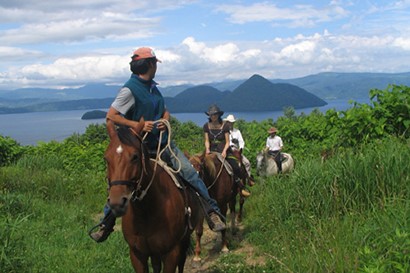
[[10, 150]]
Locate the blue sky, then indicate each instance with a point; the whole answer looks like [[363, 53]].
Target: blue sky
[[56, 45]]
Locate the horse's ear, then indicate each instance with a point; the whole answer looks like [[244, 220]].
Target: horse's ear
[[139, 127], [111, 128]]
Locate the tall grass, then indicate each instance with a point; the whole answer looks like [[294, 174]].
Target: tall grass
[[348, 214], [45, 215]]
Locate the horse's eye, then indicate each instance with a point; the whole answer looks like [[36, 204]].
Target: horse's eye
[[135, 157]]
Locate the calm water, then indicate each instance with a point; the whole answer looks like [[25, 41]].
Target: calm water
[[30, 128]]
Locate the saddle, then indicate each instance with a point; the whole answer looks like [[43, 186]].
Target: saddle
[[283, 157]]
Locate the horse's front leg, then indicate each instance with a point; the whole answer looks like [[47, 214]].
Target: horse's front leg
[[232, 209], [156, 264], [225, 248], [240, 213], [139, 261]]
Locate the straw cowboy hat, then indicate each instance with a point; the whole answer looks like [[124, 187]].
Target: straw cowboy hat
[[230, 118], [213, 109], [272, 130]]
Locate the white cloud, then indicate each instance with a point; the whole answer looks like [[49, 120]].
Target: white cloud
[[403, 43], [298, 15], [71, 43], [302, 52]]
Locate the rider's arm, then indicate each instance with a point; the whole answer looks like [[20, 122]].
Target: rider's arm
[[166, 115], [207, 144], [121, 105]]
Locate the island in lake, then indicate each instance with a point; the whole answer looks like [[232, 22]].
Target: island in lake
[[95, 114]]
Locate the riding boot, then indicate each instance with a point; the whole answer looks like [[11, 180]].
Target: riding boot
[[244, 192], [106, 226]]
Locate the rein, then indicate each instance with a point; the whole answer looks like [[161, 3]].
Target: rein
[[133, 182]]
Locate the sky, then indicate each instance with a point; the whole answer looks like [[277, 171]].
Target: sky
[[60, 44]]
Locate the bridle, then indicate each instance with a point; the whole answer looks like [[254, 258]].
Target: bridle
[[135, 183]]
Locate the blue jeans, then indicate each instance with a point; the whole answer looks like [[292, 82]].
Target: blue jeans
[[189, 174]]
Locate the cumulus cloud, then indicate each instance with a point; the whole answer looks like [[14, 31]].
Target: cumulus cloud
[[48, 43]]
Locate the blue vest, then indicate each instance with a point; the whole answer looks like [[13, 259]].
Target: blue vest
[[149, 104]]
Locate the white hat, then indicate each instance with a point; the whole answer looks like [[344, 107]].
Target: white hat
[[230, 118]]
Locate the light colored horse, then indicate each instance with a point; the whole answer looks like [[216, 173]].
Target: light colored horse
[[266, 165]]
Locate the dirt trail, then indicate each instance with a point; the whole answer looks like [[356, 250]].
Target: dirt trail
[[211, 247]]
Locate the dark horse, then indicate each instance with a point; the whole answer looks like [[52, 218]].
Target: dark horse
[[222, 188], [157, 216]]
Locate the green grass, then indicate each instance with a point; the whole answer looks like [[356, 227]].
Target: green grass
[[348, 214]]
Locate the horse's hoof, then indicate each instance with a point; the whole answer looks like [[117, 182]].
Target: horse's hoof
[[224, 250], [197, 259]]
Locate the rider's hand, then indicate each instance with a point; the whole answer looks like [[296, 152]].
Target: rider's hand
[[223, 154], [148, 126], [207, 151]]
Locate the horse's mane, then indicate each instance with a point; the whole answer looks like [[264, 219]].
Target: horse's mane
[[126, 136]]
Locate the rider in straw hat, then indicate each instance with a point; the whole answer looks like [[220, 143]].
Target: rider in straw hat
[[274, 146]]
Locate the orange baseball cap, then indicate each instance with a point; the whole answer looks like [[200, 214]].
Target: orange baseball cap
[[144, 53]]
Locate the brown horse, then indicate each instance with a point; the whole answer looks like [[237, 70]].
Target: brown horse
[[157, 216], [222, 188]]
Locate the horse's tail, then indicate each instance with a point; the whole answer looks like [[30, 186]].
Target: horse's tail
[[210, 165]]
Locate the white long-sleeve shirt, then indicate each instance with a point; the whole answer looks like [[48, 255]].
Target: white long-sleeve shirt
[[236, 134]]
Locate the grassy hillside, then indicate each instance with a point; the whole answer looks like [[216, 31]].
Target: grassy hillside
[[348, 213]]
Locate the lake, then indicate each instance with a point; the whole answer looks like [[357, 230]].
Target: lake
[[30, 128]]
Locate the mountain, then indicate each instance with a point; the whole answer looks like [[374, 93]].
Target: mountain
[[331, 85], [85, 104], [89, 91], [259, 94], [254, 95]]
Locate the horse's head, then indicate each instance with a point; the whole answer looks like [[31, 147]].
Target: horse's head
[[260, 158], [126, 163]]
